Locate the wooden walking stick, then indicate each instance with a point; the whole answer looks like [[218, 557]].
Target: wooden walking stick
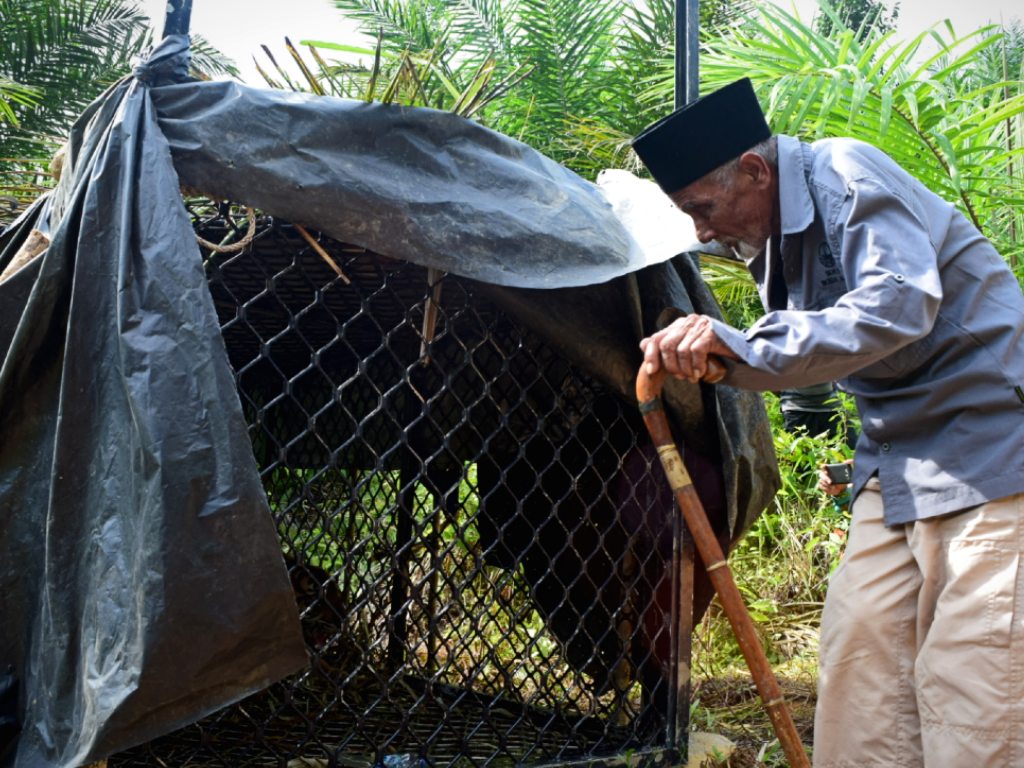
[[648, 392]]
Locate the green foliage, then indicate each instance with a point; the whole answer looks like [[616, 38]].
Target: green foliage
[[12, 96], [569, 45], [58, 56], [999, 69], [732, 285], [408, 79], [570, 73], [467, 620], [857, 15], [947, 129], [67, 53], [324, 534], [450, 46]]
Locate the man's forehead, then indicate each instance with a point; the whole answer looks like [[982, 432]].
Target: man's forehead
[[694, 194]]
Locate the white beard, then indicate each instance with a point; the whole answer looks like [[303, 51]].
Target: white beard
[[748, 251]]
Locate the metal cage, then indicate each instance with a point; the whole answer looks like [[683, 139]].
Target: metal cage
[[480, 549]]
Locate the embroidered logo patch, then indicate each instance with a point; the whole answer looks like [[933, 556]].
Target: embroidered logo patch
[[825, 257]]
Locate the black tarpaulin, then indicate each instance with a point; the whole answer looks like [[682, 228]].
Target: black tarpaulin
[[415, 183], [141, 582]]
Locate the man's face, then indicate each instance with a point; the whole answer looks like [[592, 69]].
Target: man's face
[[737, 212]]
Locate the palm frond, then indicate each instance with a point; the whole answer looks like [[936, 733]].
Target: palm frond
[[733, 287], [315, 85], [209, 62], [415, 25], [873, 88], [11, 94], [481, 27], [569, 45], [286, 79], [68, 53]]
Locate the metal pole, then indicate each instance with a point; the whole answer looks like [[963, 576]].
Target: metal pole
[[687, 43], [179, 15], [687, 89], [683, 562]]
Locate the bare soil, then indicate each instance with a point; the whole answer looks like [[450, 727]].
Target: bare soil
[[732, 708]]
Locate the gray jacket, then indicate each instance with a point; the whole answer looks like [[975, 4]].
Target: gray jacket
[[892, 292]]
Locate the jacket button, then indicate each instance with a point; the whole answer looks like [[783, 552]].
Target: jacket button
[[886, 447], [898, 278]]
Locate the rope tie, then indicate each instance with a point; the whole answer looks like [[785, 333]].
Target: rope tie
[[234, 247]]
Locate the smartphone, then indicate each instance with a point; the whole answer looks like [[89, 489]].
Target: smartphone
[[840, 474]]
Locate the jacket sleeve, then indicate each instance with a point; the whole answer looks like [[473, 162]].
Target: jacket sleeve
[[890, 263]]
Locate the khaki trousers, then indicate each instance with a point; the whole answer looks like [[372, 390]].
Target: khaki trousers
[[922, 642]]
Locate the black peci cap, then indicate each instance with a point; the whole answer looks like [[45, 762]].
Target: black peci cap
[[702, 135]]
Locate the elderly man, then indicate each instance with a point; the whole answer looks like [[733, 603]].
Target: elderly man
[[870, 279]]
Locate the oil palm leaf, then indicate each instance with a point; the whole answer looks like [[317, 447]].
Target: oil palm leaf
[[483, 29], [410, 79], [643, 63], [68, 52], [733, 287], [917, 108], [209, 62], [413, 25], [13, 95], [569, 46]]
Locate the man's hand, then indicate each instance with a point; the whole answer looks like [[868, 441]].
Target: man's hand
[[683, 348]]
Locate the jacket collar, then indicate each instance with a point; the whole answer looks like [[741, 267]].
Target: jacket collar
[[796, 207]]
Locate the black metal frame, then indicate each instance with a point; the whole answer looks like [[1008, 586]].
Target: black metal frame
[[687, 80], [179, 17]]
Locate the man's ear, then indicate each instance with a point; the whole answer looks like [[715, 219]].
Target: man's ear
[[756, 168]]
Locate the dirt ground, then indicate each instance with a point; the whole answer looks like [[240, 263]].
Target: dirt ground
[[733, 709]]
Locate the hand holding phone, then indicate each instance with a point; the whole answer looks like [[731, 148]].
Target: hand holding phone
[[839, 474]]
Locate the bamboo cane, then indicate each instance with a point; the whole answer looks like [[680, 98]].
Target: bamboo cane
[[648, 391]]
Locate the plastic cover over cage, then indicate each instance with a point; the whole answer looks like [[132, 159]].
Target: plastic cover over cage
[[444, 440]]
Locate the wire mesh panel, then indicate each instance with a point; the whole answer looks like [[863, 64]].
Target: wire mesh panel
[[478, 544]]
